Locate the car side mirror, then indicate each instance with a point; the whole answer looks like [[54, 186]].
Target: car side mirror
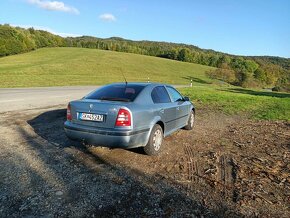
[[186, 98]]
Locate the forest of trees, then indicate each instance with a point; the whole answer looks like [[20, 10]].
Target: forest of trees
[[256, 71]]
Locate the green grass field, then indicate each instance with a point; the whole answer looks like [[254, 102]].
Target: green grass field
[[234, 100], [79, 66]]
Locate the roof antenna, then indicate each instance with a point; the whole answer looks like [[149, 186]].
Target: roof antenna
[[124, 78]]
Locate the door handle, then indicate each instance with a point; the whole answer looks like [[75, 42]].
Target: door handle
[[162, 111]]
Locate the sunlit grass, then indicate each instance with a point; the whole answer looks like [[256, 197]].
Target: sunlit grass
[[232, 100], [80, 66]]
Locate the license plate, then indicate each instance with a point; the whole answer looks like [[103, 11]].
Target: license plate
[[91, 117]]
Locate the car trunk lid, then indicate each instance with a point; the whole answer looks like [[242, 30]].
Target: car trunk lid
[[104, 113]]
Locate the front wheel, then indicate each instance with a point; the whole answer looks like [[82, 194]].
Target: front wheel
[[153, 146], [190, 121]]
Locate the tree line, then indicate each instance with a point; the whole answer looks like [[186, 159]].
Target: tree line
[[238, 70]]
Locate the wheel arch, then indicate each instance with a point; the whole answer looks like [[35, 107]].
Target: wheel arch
[[160, 123], [193, 108], [156, 120]]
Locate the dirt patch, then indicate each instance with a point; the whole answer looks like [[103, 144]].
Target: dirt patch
[[226, 166]]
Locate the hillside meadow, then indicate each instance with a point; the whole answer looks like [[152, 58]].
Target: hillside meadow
[[244, 71], [80, 66], [232, 100]]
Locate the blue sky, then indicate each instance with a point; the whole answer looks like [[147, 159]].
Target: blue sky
[[243, 27]]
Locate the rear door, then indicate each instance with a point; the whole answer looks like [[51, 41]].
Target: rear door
[[164, 107], [182, 107]]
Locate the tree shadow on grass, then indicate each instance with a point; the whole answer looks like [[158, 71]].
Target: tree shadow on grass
[[258, 93], [92, 185], [195, 79]]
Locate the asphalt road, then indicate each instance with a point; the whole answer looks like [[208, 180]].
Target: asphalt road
[[17, 99]]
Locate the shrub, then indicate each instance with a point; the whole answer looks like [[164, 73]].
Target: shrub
[[276, 89], [225, 75]]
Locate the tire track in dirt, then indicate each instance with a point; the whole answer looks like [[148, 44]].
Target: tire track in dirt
[[225, 179], [227, 174], [193, 171]]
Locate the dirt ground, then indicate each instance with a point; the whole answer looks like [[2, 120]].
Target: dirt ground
[[226, 166]]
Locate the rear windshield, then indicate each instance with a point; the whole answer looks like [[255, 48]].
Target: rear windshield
[[120, 92]]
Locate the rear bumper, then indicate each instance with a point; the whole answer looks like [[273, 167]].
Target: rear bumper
[[107, 137]]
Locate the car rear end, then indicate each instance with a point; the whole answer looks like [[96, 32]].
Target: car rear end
[[105, 117]]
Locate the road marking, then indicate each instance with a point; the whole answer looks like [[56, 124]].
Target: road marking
[[34, 98], [59, 96], [11, 100]]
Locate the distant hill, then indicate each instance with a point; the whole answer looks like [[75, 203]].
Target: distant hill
[[257, 71]]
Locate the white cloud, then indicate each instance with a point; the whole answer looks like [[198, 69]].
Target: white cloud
[[54, 6], [107, 17], [46, 29], [66, 34]]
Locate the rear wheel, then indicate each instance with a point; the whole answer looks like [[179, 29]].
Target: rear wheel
[[190, 121], [154, 145]]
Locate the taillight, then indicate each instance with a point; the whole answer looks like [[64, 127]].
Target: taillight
[[68, 113], [123, 118]]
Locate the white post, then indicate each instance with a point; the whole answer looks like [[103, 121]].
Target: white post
[[191, 83], [148, 80]]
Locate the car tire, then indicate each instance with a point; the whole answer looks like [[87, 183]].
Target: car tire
[[190, 121], [154, 145]]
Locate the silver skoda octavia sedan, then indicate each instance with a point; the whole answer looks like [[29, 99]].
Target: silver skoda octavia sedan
[[129, 115]]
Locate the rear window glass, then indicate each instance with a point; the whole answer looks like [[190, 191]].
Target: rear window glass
[[160, 95], [118, 92]]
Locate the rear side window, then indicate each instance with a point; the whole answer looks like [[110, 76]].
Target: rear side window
[[160, 95], [174, 94], [118, 92]]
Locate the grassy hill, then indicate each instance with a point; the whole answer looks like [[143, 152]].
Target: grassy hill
[[81, 66], [257, 72]]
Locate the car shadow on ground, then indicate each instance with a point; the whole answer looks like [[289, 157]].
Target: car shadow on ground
[[96, 185], [58, 137]]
